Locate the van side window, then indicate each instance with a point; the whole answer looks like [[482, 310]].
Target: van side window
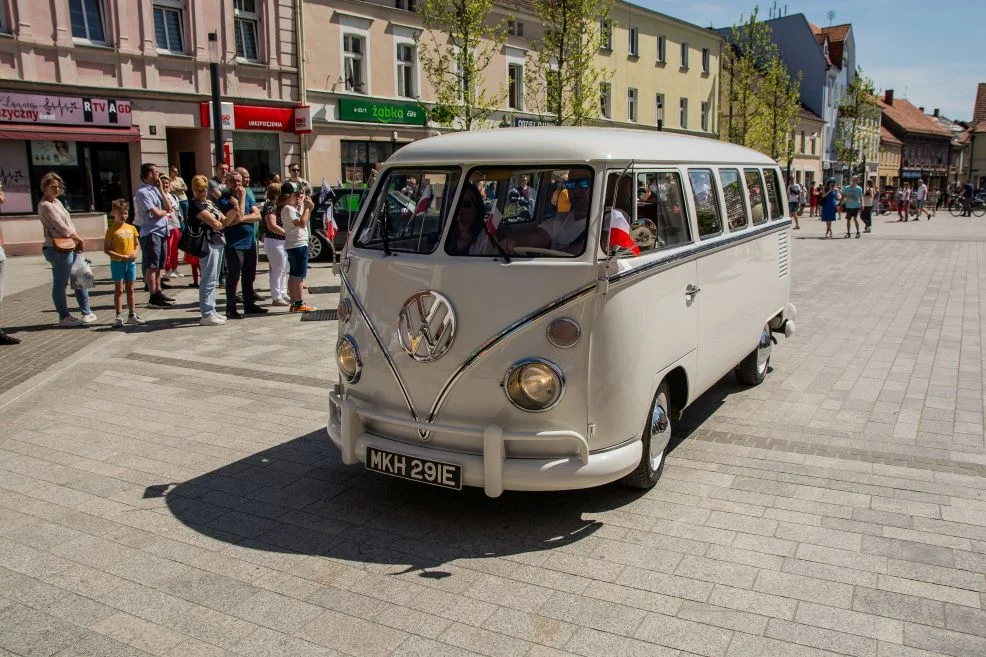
[[758, 200], [774, 194], [732, 190], [409, 210], [661, 222], [707, 210]]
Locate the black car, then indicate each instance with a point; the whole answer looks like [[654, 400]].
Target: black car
[[346, 205]]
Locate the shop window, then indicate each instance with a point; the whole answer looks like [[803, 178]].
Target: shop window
[[353, 47], [87, 20], [515, 86], [633, 47], [662, 48], [405, 70], [258, 153], [632, 105], [683, 113], [358, 158], [169, 22], [684, 55], [246, 25], [605, 100]]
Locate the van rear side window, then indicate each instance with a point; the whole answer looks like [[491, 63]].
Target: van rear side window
[[774, 194], [732, 191], [758, 201], [707, 210]]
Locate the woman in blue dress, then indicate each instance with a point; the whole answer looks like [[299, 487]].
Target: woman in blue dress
[[829, 200]]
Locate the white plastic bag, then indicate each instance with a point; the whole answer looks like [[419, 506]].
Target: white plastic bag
[[80, 276]]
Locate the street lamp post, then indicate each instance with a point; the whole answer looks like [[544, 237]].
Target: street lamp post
[[217, 112]]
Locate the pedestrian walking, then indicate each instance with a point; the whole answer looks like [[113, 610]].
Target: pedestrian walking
[[277, 258], [174, 232], [5, 338], [295, 225], [853, 200], [121, 243], [794, 202], [828, 200], [921, 200], [968, 192], [152, 207], [202, 210], [869, 199], [242, 215], [813, 200], [904, 203], [62, 246], [179, 189]]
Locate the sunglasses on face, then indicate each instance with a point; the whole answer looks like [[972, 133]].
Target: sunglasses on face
[[581, 183]]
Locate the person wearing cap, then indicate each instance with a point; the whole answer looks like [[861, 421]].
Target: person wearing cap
[[829, 199], [296, 235]]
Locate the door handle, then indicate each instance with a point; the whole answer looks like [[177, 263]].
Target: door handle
[[692, 290]]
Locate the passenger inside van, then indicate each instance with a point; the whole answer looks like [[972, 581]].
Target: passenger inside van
[[566, 230], [468, 224]]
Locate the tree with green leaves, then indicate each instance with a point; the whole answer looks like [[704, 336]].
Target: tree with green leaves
[[749, 50], [778, 106], [858, 112], [460, 41], [562, 75]]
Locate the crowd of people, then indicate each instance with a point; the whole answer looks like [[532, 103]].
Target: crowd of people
[[216, 222]]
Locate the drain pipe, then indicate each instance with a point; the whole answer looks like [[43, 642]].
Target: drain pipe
[[299, 13]]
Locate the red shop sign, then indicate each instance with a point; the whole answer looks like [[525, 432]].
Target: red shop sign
[[251, 117]]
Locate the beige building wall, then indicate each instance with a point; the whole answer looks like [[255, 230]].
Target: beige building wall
[[806, 165], [889, 167]]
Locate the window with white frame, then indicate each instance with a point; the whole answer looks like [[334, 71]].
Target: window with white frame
[[353, 73], [606, 34], [683, 113], [406, 66], [634, 41], [684, 55], [705, 60], [659, 109], [169, 25], [87, 21], [662, 48], [246, 28], [406, 5], [515, 86], [605, 100], [515, 27], [704, 119], [632, 105]]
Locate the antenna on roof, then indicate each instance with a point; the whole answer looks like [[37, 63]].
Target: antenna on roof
[[785, 10], [831, 16]]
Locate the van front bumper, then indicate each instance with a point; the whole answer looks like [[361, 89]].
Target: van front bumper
[[492, 470]]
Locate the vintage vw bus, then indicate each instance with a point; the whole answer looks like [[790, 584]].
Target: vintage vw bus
[[554, 300]]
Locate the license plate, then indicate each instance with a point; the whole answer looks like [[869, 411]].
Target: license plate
[[426, 471]]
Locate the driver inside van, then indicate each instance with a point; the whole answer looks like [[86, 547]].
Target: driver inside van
[[566, 230]]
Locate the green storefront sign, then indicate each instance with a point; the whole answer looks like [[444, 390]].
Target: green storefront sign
[[372, 111]]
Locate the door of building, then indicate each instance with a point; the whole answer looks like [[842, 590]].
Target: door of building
[[186, 166]]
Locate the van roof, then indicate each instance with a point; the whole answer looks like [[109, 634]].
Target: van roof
[[571, 144]]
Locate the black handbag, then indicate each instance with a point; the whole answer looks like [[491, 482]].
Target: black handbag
[[193, 237]]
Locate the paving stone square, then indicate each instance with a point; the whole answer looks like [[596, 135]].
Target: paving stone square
[[170, 490]]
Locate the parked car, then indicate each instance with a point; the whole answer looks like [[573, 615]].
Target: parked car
[[345, 207]]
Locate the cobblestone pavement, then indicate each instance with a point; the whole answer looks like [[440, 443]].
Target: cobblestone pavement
[[172, 492]]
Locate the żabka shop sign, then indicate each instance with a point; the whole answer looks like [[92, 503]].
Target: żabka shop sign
[[372, 111], [64, 110]]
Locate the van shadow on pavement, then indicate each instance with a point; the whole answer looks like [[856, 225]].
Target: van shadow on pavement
[[299, 497]]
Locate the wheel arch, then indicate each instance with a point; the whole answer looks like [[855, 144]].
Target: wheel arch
[[677, 380]]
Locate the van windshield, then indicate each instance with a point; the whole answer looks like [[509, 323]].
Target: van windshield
[[408, 211], [522, 211]]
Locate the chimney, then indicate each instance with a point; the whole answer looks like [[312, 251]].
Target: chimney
[[922, 109], [935, 113], [888, 96]]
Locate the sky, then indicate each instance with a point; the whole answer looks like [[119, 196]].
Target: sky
[[931, 53]]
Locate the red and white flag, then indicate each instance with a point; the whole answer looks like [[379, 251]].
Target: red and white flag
[[331, 227], [619, 232]]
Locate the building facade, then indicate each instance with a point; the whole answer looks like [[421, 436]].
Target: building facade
[[806, 165], [90, 89], [926, 146], [975, 140], [368, 95], [888, 173]]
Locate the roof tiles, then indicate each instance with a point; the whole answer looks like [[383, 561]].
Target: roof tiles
[[908, 118]]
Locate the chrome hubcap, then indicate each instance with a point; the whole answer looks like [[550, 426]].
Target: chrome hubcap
[[763, 351], [314, 247], [660, 431]]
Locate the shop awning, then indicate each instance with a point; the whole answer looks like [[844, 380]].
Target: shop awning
[[69, 133]]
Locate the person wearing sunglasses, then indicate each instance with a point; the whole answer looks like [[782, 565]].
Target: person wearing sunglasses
[[565, 231]]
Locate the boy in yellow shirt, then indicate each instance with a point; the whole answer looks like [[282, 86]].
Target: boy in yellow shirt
[[121, 244]]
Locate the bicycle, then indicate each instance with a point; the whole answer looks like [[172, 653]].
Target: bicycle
[[977, 206]]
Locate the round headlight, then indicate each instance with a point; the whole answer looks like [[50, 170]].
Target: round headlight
[[534, 385], [347, 357], [564, 332]]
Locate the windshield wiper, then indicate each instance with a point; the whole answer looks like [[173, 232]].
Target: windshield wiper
[[489, 233]]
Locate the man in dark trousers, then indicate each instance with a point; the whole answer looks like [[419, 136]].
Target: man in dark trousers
[[242, 216]]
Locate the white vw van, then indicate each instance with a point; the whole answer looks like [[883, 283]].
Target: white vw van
[[532, 309]]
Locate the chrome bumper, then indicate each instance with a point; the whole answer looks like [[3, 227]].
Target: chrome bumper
[[491, 470]]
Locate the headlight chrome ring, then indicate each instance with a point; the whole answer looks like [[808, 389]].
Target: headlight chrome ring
[[348, 358], [534, 385]]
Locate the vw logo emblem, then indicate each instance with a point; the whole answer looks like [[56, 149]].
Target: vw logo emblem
[[426, 326]]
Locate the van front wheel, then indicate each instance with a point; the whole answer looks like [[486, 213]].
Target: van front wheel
[[753, 369], [657, 435]]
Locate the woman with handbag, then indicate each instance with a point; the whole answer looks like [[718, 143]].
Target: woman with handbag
[[274, 247], [205, 223], [62, 246]]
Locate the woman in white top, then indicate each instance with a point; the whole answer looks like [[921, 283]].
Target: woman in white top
[[58, 224], [295, 225]]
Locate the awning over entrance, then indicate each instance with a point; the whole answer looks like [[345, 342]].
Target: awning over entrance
[[69, 133]]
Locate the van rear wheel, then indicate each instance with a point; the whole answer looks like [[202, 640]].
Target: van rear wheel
[[657, 435], [753, 369]]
